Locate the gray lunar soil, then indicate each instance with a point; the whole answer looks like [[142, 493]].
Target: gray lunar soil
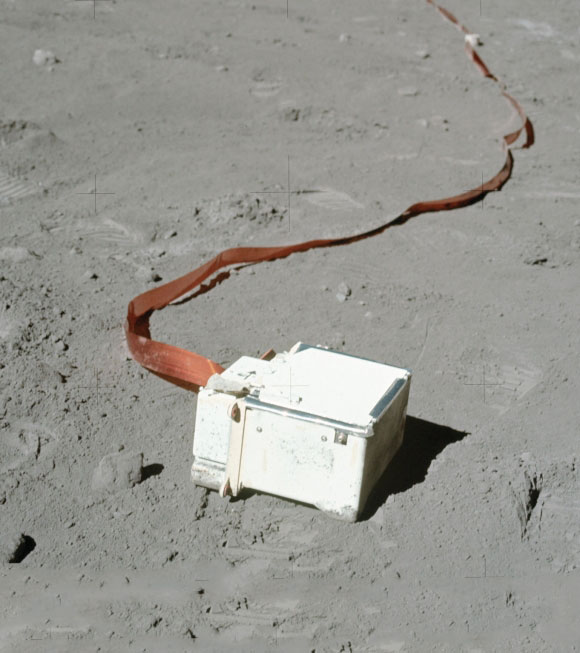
[[184, 114]]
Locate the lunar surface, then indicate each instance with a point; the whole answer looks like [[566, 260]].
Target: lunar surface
[[140, 139]]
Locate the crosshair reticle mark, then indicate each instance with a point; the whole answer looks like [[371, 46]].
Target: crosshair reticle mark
[[485, 384], [95, 193], [421, 146], [94, 5], [288, 192], [485, 574], [289, 385], [97, 386]]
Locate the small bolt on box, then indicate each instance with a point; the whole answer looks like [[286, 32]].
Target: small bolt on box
[[311, 424]]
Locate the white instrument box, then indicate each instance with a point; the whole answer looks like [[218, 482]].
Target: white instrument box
[[312, 425]]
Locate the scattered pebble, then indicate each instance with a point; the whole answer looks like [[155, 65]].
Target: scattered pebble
[[536, 261], [290, 114], [344, 289], [118, 471], [14, 254], [473, 40], [44, 58], [439, 121], [147, 274], [15, 547], [336, 342]]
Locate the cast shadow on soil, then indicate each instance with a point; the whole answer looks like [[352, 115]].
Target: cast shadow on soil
[[422, 443], [154, 469], [26, 546]]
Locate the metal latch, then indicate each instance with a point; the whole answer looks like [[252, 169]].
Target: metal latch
[[340, 437]]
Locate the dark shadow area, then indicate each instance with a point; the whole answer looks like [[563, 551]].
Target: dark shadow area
[[422, 443], [248, 493], [25, 546], [206, 287], [151, 470]]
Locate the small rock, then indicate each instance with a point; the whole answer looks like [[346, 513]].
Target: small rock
[[170, 234], [222, 69], [409, 91], [336, 341], [90, 274], [422, 54], [536, 261], [344, 289], [439, 121], [118, 471], [473, 40], [15, 547], [423, 122], [290, 114], [344, 38], [14, 254], [28, 441], [341, 297], [44, 58]]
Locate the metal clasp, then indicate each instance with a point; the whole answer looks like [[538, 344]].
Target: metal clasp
[[340, 437]]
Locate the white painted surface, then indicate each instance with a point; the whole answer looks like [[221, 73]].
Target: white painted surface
[[285, 435]]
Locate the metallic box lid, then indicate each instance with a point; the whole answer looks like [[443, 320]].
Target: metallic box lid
[[315, 381]]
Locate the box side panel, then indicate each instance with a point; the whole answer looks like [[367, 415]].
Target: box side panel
[[301, 461], [385, 442], [343, 496], [211, 439]]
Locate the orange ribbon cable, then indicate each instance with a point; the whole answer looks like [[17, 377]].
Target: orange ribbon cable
[[191, 371]]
